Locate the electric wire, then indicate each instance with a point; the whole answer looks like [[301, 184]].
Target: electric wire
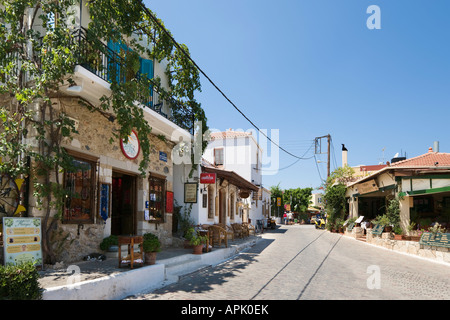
[[155, 20]]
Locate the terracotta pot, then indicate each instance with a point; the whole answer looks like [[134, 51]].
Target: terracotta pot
[[398, 237], [150, 258], [198, 249]]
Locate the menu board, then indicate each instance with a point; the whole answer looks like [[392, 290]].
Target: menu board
[[22, 240], [437, 240], [190, 192], [378, 229]]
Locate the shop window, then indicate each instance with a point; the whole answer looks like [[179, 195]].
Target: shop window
[[157, 189], [79, 183]]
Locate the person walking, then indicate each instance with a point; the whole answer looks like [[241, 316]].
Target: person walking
[[285, 218]]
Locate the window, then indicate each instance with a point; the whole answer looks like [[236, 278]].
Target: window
[[79, 183], [157, 187], [218, 156]]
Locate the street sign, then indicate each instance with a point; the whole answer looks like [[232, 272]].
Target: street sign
[[278, 202]]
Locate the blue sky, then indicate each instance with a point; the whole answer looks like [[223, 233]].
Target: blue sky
[[312, 67]]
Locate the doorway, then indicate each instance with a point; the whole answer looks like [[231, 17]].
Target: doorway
[[123, 206]]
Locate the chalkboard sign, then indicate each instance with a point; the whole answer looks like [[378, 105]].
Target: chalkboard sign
[[378, 229], [104, 200], [437, 240]]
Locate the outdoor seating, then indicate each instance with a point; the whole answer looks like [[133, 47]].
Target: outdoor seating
[[228, 229], [237, 229], [250, 228], [218, 234], [245, 231]]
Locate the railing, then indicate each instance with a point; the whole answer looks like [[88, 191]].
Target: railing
[[107, 65]]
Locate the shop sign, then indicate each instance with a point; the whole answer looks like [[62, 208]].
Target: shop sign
[[190, 192], [207, 178], [366, 187], [169, 201], [22, 240], [436, 240]]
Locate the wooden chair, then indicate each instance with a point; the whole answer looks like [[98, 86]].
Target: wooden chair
[[228, 229], [237, 229], [247, 227], [218, 234]]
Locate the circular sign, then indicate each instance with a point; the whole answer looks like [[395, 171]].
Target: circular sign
[[131, 147], [9, 196]]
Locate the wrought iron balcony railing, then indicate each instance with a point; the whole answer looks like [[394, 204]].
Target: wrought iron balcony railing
[[107, 65]]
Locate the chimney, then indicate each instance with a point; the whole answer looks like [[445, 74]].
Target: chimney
[[344, 156], [436, 146]]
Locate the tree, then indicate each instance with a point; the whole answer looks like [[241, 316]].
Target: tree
[[36, 60], [298, 198], [335, 188]]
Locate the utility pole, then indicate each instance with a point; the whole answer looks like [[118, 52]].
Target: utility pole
[[318, 150]]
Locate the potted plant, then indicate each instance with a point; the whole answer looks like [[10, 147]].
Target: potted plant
[[197, 241], [110, 244], [384, 221], [188, 235], [398, 233], [151, 246]]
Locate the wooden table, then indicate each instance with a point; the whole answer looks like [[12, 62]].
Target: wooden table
[[131, 241]]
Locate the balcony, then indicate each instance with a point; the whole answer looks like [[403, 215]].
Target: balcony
[[93, 76]]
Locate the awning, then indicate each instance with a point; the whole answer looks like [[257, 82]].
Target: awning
[[232, 178]]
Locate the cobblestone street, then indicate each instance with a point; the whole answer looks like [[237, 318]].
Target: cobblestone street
[[302, 263]]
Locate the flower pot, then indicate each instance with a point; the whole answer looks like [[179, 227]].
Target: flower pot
[[198, 249], [150, 258], [398, 237]]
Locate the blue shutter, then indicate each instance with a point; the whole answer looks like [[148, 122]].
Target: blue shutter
[[146, 69]]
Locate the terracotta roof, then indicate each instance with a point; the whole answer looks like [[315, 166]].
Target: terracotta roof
[[424, 161], [430, 159], [229, 134]]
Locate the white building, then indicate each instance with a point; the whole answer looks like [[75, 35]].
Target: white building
[[238, 151], [234, 194]]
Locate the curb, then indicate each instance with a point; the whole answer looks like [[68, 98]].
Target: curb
[[143, 279]]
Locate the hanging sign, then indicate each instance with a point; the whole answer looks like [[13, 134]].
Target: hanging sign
[[207, 178], [131, 147], [22, 240]]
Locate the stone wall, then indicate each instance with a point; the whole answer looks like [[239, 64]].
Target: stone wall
[[386, 240]]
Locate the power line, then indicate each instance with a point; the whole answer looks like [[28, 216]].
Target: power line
[[209, 79]]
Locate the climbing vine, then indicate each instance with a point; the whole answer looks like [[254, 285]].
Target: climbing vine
[[38, 53]]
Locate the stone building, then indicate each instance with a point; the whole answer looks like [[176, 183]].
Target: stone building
[[110, 195]]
